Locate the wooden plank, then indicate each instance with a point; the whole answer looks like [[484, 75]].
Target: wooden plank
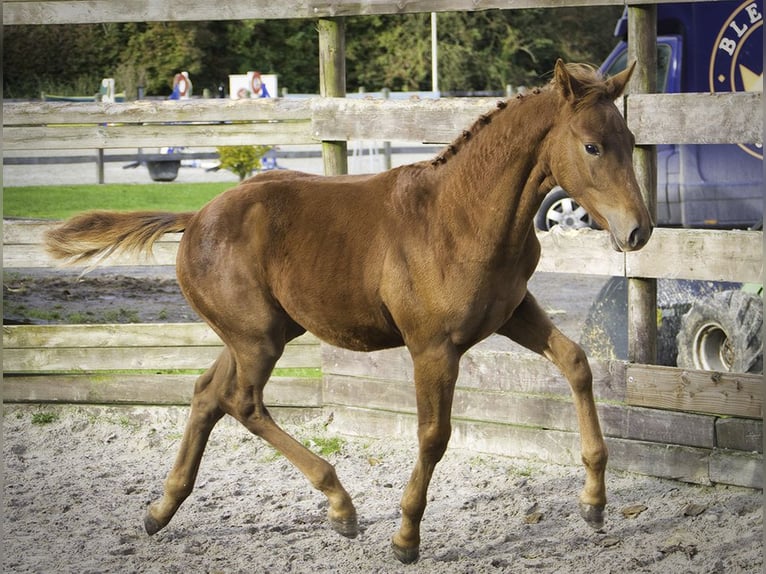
[[652, 459], [16, 12], [735, 117], [737, 468], [729, 118], [731, 394], [144, 389], [55, 348], [707, 254], [534, 411], [35, 256], [109, 335], [506, 440], [683, 463], [711, 255], [207, 111], [427, 120], [584, 251], [128, 136], [740, 434], [121, 335], [493, 370], [49, 360]]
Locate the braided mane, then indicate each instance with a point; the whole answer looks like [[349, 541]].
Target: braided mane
[[591, 85]]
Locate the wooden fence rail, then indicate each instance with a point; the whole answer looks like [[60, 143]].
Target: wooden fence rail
[[89, 11], [134, 364], [671, 253], [653, 118]]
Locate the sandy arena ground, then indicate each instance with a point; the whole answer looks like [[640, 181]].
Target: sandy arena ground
[[76, 488]]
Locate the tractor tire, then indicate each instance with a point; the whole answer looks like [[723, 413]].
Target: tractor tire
[[723, 333]]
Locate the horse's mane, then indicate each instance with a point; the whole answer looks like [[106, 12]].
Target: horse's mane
[[458, 142], [592, 86]]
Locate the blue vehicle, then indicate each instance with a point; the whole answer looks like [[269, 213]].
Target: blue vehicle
[[701, 47]]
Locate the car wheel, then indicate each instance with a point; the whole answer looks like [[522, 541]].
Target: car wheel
[[558, 209]]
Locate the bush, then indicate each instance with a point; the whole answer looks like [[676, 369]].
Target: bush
[[242, 159]]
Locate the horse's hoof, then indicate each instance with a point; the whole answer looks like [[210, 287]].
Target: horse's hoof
[[348, 527], [405, 555], [151, 525], [593, 515]]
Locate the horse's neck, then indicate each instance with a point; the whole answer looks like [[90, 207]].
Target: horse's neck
[[498, 178]]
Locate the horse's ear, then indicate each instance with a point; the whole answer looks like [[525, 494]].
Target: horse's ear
[[616, 84], [565, 82]]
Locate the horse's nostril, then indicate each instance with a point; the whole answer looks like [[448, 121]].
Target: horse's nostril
[[638, 237]]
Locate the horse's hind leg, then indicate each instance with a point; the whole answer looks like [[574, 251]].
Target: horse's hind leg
[[205, 413], [531, 327], [255, 361]]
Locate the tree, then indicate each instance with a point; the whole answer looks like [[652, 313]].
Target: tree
[[477, 51]]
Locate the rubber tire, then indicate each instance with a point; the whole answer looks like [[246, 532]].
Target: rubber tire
[[723, 333], [552, 202], [605, 335]]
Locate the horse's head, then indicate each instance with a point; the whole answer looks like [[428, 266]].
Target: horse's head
[[592, 154]]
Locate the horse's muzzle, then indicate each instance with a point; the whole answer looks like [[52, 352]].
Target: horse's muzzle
[[635, 239]]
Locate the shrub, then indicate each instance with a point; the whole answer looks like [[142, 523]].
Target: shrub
[[242, 159]]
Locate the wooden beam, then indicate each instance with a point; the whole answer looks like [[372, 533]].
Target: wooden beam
[[57, 125], [734, 394], [143, 389], [157, 111], [735, 117], [711, 255], [154, 135], [17, 12], [706, 254], [642, 292], [427, 120]]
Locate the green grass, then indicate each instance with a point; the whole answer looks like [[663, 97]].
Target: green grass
[[44, 418], [59, 202]]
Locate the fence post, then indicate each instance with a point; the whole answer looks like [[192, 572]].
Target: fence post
[[332, 84], [100, 165], [642, 293]]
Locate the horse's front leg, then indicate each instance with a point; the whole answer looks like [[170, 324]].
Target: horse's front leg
[[436, 371], [531, 327]]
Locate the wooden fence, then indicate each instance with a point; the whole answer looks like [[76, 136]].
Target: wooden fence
[[691, 425]]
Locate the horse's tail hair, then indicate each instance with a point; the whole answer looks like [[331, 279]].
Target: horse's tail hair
[[94, 235]]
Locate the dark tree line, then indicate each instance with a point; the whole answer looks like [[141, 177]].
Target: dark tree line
[[477, 51]]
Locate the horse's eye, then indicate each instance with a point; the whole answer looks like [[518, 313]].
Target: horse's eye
[[592, 149]]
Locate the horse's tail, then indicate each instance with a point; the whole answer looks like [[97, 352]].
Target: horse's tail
[[94, 235]]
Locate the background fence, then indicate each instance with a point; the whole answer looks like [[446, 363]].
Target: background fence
[[691, 425]]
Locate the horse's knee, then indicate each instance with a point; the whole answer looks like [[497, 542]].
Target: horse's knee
[[433, 440]]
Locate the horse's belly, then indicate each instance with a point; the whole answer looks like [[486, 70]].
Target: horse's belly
[[355, 337]]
